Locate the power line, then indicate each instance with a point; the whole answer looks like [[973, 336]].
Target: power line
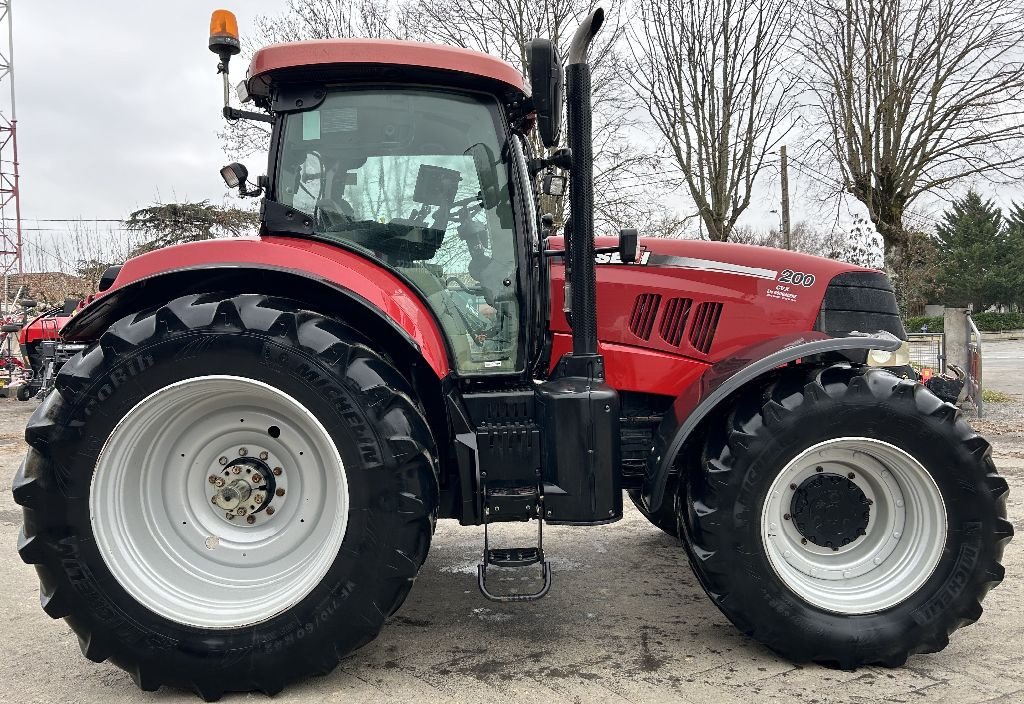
[[79, 219]]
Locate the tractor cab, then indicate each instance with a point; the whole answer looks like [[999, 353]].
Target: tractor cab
[[423, 182], [423, 172]]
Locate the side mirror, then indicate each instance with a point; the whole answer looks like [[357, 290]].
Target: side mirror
[[484, 163], [629, 246], [545, 69]]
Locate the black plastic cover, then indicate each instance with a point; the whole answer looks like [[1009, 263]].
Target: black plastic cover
[[581, 477], [860, 301]]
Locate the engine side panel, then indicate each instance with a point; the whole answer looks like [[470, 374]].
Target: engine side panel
[[704, 301]]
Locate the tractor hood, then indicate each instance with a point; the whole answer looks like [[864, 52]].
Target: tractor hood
[[708, 300]]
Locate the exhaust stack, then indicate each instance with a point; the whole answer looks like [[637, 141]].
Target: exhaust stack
[[581, 196]]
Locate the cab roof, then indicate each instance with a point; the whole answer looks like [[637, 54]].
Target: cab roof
[[344, 56]]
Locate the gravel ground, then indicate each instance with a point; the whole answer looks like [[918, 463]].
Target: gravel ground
[[625, 622]]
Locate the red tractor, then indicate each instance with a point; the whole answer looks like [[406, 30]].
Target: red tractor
[[236, 482], [43, 349]]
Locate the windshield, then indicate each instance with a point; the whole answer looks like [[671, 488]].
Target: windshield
[[419, 179]]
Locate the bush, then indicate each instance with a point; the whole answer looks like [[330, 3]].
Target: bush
[[986, 322], [997, 322]]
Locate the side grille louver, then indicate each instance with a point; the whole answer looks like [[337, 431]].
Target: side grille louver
[[645, 310], [705, 320], [673, 322]]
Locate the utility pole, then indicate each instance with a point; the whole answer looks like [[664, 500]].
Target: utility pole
[[10, 197], [786, 238]]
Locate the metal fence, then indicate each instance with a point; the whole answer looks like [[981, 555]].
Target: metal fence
[[928, 351]]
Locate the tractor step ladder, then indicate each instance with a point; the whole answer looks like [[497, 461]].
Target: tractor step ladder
[[512, 557]]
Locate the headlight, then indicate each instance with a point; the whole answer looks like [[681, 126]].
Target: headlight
[[885, 358]]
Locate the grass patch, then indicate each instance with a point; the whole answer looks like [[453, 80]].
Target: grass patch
[[993, 396]]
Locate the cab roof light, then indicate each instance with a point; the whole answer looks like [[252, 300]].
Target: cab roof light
[[224, 39]]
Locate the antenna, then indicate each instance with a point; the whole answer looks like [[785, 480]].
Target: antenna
[[10, 201]]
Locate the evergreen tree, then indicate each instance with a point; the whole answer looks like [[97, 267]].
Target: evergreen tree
[[1014, 266], [972, 254]]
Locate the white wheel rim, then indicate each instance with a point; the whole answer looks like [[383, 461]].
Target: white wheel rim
[[903, 540], [174, 550]]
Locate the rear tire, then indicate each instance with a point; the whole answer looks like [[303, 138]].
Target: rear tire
[[829, 453], [88, 541]]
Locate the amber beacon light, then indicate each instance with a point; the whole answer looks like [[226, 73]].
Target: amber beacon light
[[224, 34]]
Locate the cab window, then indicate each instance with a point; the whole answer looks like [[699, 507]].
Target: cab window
[[419, 180]]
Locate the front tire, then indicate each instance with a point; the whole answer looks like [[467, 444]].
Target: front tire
[[665, 518], [226, 494], [846, 517]]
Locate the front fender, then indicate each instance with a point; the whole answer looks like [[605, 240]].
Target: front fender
[[722, 379], [273, 265]]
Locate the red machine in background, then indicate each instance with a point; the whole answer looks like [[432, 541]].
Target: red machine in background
[[43, 350]]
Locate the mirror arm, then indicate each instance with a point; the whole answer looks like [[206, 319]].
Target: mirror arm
[[236, 114], [562, 158]]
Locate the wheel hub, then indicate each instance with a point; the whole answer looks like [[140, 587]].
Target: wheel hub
[[830, 510], [853, 525], [173, 465], [245, 488]]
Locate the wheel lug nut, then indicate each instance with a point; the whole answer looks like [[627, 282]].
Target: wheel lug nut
[[818, 469], [279, 492], [793, 487], [277, 471], [257, 478], [851, 475], [270, 510], [236, 469], [240, 511], [213, 499], [259, 498], [786, 517], [212, 479], [242, 452], [250, 520], [223, 460], [264, 455], [230, 516], [219, 483], [803, 541]]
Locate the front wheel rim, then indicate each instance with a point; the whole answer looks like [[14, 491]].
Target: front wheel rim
[[184, 527], [887, 558]]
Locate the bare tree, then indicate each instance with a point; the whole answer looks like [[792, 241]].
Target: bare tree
[[914, 96], [712, 79]]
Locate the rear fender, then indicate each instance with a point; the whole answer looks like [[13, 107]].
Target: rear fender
[[332, 280], [723, 379]]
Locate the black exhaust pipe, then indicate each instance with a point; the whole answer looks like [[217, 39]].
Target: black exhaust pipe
[[581, 191]]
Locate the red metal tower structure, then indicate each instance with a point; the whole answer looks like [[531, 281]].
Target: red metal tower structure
[[10, 202]]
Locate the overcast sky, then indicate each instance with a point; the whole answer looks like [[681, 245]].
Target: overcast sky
[[118, 105]]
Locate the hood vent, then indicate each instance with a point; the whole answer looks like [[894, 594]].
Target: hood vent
[[673, 322], [645, 310], [705, 321]]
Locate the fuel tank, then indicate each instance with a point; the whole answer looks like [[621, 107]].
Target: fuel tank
[[685, 304]]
